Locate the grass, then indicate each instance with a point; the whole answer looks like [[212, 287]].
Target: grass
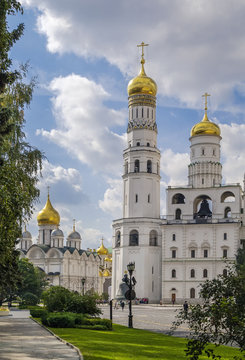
[[123, 343]]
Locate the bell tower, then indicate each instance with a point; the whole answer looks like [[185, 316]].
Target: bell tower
[[205, 169], [141, 176], [137, 236]]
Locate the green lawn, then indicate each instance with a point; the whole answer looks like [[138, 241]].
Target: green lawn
[[123, 343]]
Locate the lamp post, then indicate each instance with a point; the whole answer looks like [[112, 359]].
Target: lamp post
[[83, 280], [130, 267]]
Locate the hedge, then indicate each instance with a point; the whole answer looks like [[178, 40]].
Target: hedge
[[72, 320]]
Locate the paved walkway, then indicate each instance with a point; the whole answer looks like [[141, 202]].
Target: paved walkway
[[23, 339], [148, 317]]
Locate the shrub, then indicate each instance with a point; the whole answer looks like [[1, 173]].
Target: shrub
[[57, 298], [30, 299], [38, 312], [83, 305], [59, 320], [60, 299]]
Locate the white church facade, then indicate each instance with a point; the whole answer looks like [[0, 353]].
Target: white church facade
[[205, 219], [65, 263]]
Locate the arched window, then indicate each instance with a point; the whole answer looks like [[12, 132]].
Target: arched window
[[227, 196], [192, 293], [148, 112], [149, 198], [178, 199], [205, 273], [192, 273], [173, 273], [227, 213], [136, 166], [225, 272], [134, 238], [173, 237], [157, 169], [142, 112], [118, 239], [153, 238], [149, 166], [137, 112], [177, 214]]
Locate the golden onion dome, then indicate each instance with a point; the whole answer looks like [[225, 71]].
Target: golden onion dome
[[108, 259], [48, 215], [102, 250], [106, 273], [142, 84], [205, 127]]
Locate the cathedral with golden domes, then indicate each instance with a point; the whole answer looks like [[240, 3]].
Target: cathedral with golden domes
[[66, 264], [204, 223]]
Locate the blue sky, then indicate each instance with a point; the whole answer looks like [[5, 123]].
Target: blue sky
[[84, 53]]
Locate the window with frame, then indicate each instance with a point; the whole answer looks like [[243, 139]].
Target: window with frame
[[205, 253], [225, 253], [174, 237], [192, 273], [205, 273], [134, 238], [192, 293], [225, 236], [177, 214], [193, 253], [118, 239], [137, 166], [173, 273], [173, 254], [225, 272]]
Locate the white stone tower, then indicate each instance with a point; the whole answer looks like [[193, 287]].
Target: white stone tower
[[137, 236], [205, 169]]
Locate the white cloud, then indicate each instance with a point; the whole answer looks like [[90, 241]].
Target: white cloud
[[112, 202], [175, 167], [195, 45], [83, 123], [233, 151], [52, 174]]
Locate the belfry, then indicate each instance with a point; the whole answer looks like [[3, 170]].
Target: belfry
[[203, 225]]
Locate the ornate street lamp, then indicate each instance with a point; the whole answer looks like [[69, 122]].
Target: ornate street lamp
[[83, 280], [131, 295]]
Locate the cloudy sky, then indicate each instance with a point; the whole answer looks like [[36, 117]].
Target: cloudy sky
[[84, 53]]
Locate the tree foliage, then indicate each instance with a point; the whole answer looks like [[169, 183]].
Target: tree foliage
[[32, 282], [58, 299], [220, 316], [19, 162]]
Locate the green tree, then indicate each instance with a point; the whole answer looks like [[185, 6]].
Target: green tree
[[32, 282], [219, 318], [20, 163]]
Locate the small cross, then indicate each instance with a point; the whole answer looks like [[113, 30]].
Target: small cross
[[206, 100], [48, 187], [142, 46]]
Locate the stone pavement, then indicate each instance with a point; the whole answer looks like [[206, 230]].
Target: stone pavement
[[148, 317], [23, 339]]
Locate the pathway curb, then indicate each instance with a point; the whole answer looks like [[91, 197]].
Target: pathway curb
[[60, 339]]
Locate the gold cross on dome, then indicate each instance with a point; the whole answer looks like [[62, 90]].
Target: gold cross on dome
[[48, 187], [74, 224], [206, 100], [142, 46]]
